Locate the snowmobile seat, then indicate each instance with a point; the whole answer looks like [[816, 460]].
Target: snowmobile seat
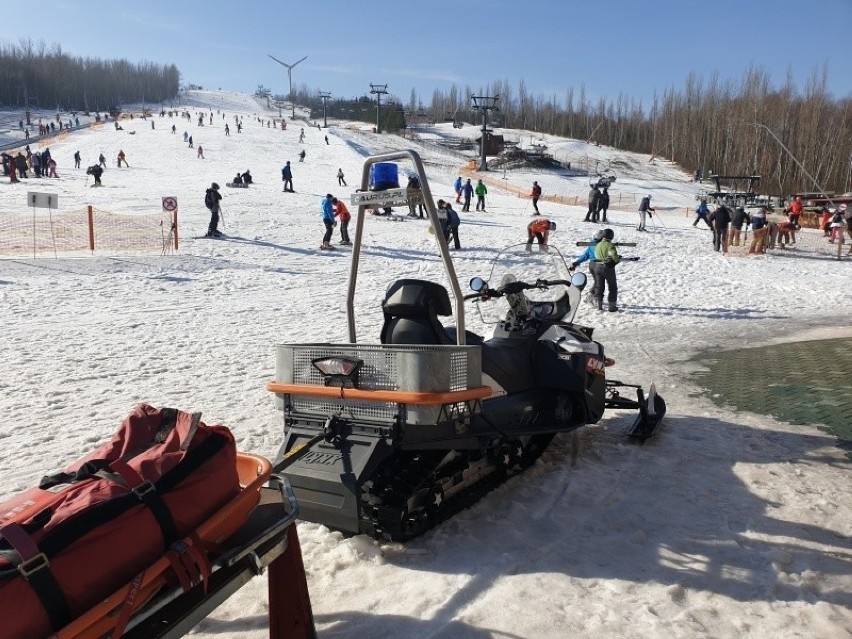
[[411, 309]]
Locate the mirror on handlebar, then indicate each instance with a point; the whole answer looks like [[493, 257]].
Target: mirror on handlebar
[[478, 284], [579, 280]]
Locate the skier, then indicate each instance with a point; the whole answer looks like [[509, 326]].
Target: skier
[[701, 212], [603, 205], [327, 208], [302, 136], [589, 256], [759, 231], [606, 258], [77, 159], [211, 201], [190, 141], [481, 191], [457, 187], [594, 198], [96, 171], [340, 180], [227, 129], [535, 194], [287, 177], [200, 153], [102, 160], [121, 159], [467, 190], [302, 155], [342, 212], [326, 139], [645, 208]]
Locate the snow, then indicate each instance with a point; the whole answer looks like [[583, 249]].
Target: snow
[[726, 525]]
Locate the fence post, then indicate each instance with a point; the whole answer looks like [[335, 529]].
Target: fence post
[[175, 228], [91, 216]]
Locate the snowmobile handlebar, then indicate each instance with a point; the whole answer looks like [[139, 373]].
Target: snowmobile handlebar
[[511, 288]]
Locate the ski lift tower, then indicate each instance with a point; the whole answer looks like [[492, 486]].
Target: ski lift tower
[[378, 90], [324, 96], [484, 103], [290, 80]]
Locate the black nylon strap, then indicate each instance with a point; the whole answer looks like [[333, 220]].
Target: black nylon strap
[[51, 596]]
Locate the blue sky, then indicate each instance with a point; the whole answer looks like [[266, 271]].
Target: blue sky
[[618, 47]]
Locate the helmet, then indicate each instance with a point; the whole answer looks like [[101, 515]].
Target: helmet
[[608, 234], [599, 235], [214, 186]]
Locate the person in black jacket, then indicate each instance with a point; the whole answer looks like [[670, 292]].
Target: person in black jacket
[[720, 220], [594, 198], [740, 217], [211, 201]]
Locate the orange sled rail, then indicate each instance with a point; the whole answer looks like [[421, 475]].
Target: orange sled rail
[[397, 397], [253, 471]]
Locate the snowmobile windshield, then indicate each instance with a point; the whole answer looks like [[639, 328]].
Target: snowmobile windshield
[[529, 264]]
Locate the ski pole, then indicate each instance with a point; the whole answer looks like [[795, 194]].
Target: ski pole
[[222, 215]]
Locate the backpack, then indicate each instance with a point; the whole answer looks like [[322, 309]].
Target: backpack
[[209, 200]]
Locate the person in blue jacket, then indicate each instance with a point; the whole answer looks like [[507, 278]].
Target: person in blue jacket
[[701, 213], [327, 207], [467, 190], [457, 187], [589, 256]]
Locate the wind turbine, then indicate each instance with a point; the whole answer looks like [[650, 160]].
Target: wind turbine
[[290, 80]]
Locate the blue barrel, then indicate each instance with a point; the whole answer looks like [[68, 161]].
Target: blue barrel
[[383, 176]]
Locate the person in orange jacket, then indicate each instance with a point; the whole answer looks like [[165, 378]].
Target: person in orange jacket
[[342, 213], [538, 230]]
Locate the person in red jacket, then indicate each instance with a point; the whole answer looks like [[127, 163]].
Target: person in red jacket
[[794, 211], [342, 213]]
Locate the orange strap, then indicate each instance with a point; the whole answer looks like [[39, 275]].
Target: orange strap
[[397, 397]]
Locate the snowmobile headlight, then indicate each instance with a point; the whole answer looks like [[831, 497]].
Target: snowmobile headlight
[[339, 371]]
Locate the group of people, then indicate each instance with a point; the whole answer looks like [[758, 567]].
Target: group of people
[[466, 190], [332, 210], [16, 167], [598, 203]]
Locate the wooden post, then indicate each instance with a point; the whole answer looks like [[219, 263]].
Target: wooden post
[[175, 227], [290, 614], [91, 229]]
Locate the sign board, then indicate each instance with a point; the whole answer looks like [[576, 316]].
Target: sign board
[[169, 203], [43, 200], [391, 197]]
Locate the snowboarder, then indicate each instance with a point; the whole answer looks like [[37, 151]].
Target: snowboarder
[[238, 179], [327, 209], [535, 194], [481, 190], [102, 160], [606, 258], [340, 180], [645, 208], [211, 200], [287, 177], [340, 211], [227, 129]]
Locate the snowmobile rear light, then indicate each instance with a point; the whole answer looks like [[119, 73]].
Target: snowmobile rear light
[[339, 371]]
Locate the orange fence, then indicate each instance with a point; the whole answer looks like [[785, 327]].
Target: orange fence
[[42, 231]]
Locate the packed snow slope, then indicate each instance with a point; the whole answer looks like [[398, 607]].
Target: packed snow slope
[[726, 525]]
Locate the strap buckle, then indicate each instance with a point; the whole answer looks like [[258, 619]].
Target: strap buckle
[[33, 565], [143, 490]]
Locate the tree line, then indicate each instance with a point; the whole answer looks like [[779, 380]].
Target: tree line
[[33, 75], [797, 141]]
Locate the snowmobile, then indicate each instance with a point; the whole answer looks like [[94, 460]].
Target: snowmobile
[[389, 439]]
